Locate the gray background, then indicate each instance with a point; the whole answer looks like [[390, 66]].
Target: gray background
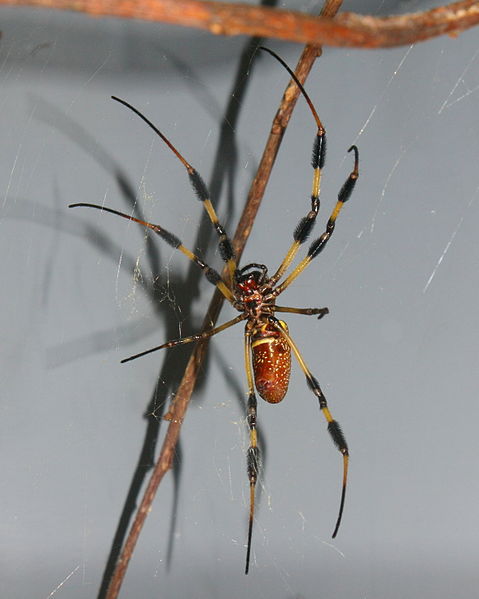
[[397, 356]]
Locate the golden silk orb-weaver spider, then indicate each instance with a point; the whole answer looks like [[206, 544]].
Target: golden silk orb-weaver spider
[[252, 292]]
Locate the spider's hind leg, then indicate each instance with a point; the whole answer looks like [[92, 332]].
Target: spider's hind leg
[[333, 426], [253, 454]]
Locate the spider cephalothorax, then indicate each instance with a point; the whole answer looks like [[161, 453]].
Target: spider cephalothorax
[[252, 291], [268, 345]]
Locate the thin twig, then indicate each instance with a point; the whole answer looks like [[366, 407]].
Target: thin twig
[[179, 406], [224, 18]]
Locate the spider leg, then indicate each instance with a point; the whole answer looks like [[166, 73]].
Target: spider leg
[[190, 339], [333, 427], [201, 190], [306, 224], [210, 273], [253, 451], [307, 311], [319, 244]]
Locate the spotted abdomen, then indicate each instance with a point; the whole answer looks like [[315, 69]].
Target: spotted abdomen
[[271, 362]]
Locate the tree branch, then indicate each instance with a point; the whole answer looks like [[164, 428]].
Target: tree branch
[[223, 18], [177, 411]]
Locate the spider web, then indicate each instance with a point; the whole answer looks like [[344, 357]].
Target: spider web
[[85, 290]]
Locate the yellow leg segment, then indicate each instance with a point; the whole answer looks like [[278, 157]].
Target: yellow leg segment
[[333, 427], [303, 229], [320, 243], [190, 339], [172, 240], [224, 241], [199, 186], [253, 451]]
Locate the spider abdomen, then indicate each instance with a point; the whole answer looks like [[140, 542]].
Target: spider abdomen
[[271, 362]]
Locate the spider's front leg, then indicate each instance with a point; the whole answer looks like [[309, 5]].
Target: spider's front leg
[[319, 244]]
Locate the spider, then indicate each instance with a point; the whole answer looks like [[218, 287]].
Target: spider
[[253, 293]]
